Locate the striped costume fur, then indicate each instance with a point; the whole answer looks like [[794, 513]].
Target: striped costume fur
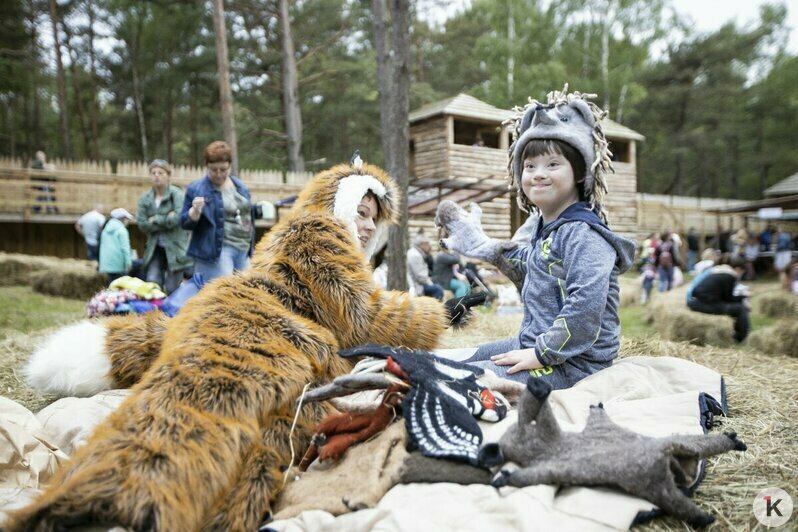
[[202, 442]]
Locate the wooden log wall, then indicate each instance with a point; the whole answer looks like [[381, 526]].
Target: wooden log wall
[[621, 200], [59, 239], [477, 162], [658, 212], [467, 163], [429, 156]]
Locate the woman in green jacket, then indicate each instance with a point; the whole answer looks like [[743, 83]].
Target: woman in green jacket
[[158, 217], [116, 256]]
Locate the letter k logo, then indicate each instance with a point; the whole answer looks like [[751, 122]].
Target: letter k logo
[[772, 506]]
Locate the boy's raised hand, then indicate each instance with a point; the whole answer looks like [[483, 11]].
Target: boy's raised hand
[[465, 232]]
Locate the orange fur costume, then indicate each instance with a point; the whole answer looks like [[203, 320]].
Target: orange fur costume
[[203, 441]]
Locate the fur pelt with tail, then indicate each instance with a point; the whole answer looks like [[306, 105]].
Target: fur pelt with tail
[[604, 454], [204, 439]]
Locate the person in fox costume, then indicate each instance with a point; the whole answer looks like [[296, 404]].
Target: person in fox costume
[[204, 439]]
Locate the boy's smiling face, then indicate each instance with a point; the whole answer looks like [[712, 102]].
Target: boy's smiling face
[[548, 181]]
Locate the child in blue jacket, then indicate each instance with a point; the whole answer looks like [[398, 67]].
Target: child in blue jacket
[[571, 263]]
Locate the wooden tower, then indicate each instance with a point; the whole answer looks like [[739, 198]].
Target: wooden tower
[[459, 142], [458, 151]]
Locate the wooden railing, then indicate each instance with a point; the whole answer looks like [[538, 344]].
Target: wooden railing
[[26, 194], [180, 173]]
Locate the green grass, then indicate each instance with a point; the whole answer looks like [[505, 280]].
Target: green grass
[[25, 318], [633, 324], [25, 311], [760, 321]]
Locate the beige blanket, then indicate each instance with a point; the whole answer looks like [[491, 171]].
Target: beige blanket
[[32, 446], [652, 395], [655, 396]]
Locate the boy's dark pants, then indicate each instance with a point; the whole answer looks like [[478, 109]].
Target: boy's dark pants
[[736, 310]]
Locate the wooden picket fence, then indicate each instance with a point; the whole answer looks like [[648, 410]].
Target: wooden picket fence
[[180, 173], [67, 189]]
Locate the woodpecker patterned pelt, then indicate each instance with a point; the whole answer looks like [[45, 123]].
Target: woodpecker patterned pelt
[[204, 439]]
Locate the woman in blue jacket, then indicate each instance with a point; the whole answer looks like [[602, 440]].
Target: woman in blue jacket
[[218, 210], [116, 256]]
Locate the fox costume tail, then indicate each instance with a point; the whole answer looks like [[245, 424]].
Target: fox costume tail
[[90, 356]]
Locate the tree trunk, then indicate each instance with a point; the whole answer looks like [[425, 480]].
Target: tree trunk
[[66, 141], [605, 53], [137, 98], [73, 70], [763, 179], [510, 56], [140, 113], [585, 52], [33, 133], [293, 113], [11, 126], [192, 123], [225, 94], [37, 120], [94, 110], [621, 101], [734, 169], [169, 127], [392, 43]]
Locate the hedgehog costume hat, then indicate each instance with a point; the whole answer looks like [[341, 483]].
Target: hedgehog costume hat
[[570, 118]]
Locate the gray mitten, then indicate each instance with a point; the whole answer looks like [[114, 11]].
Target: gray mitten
[[467, 237], [465, 232]]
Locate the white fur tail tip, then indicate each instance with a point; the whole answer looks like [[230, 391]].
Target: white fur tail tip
[[71, 362]]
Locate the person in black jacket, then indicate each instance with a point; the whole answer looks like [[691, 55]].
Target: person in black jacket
[[716, 291]]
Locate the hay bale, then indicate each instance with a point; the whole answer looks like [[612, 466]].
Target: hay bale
[[75, 283], [630, 290], [668, 314], [15, 268], [762, 407], [54, 276], [684, 325], [662, 304], [781, 338], [776, 304]]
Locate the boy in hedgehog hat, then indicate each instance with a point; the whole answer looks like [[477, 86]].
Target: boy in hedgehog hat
[[571, 262]]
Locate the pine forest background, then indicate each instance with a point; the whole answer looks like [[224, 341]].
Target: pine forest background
[[140, 80]]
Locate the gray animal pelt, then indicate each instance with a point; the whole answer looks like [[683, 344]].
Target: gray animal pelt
[[603, 454]]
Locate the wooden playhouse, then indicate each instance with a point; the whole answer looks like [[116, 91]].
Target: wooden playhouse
[[458, 151]]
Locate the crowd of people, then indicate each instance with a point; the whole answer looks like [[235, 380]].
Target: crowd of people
[[208, 229], [716, 287], [662, 256], [571, 325]]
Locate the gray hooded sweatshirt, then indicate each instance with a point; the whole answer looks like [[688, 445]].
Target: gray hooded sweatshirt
[[571, 292]]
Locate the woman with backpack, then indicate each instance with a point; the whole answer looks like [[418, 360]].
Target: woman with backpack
[[664, 260]]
